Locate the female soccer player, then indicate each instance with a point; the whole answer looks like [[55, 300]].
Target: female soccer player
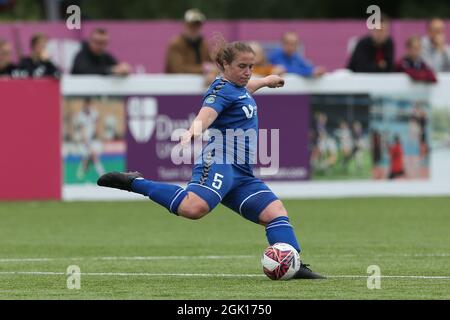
[[227, 104]]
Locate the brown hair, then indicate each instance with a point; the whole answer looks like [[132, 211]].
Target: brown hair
[[35, 38], [227, 52], [99, 30], [411, 40], [384, 18]]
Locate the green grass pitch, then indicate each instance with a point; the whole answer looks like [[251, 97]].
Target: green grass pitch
[[137, 250]]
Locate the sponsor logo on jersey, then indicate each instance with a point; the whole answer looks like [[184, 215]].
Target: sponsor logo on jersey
[[249, 110], [246, 95]]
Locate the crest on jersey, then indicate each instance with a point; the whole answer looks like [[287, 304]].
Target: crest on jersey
[[210, 99], [142, 114]]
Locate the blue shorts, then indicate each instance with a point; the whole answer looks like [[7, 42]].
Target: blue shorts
[[231, 186]]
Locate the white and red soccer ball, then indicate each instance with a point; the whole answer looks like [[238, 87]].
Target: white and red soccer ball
[[280, 261]]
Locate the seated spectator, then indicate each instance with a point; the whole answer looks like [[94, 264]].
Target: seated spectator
[[288, 57], [38, 64], [94, 59], [435, 51], [413, 64], [189, 52], [375, 52], [261, 67], [7, 68]]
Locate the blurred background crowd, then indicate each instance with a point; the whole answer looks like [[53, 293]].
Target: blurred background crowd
[[423, 52], [305, 38]]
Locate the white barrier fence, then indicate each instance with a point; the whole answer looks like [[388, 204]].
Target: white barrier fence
[[339, 82]]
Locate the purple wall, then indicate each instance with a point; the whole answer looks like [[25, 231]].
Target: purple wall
[[144, 42]]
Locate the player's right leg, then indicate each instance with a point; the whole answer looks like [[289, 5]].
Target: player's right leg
[[208, 186], [167, 195]]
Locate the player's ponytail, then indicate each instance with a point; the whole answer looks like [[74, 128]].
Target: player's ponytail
[[226, 52]]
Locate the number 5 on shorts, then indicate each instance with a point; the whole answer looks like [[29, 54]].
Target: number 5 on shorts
[[217, 183]]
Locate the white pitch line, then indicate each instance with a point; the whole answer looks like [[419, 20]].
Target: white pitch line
[[391, 255], [127, 258], [395, 276], [175, 257], [217, 275], [424, 255], [32, 273], [27, 260], [129, 274], [214, 257]]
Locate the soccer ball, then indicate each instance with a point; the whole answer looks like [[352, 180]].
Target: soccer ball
[[280, 261]]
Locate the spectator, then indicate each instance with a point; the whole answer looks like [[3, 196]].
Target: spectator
[[86, 127], [7, 68], [359, 145], [377, 155], [288, 57], [189, 52], [262, 67], [374, 52], [396, 154], [38, 64], [412, 63], [435, 51], [94, 59]]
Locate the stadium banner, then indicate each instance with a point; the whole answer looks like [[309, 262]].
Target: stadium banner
[[338, 136], [93, 139], [325, 137], [400, 136], [339, 131], [30, 139], [115, 134], [377, 136], [283, 124]]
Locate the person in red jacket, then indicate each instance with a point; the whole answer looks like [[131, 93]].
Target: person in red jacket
[[413, 64], [396, 155]]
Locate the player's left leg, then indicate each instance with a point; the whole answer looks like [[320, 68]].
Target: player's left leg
[[279, 229], [256, 202], [259, 204]]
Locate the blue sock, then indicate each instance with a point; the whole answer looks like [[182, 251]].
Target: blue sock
[[165, 194], [280, 230]]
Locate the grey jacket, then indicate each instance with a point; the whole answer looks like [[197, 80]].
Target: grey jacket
[[438, 61]]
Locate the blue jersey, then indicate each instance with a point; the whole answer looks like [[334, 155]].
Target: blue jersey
[[237, 122]]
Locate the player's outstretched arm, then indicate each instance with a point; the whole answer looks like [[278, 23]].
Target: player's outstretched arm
[[204, 119], [272, 81]]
